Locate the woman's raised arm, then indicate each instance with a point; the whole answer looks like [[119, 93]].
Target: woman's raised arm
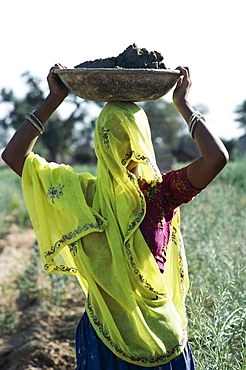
[[214, 155], [27, 134]]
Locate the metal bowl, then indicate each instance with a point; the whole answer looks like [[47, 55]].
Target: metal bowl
[[111, 84]]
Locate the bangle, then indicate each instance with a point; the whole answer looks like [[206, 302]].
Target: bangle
[[38, 120], [39, 126], [194, 118]]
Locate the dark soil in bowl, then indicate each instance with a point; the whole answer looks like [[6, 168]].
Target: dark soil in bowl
[[132, 57]]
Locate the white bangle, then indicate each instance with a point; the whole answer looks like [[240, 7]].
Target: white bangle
[[194, 118], [38, 120], [30, 119]]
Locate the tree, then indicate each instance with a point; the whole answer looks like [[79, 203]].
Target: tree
[[62, 136], [241, 111], [167, 126]]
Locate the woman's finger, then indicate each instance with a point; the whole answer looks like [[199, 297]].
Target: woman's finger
[[57, 66]]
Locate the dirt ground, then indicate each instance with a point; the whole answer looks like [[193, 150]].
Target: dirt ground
[[40, 338]]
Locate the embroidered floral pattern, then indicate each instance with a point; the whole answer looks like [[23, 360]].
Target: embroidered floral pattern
[[131, 226], [144, 360], [136, 270], [73, 248], [140, 157], [139, 217], [54, 248], [55, 192], [151, 193], [181, 185], [181, 262], [181, 269], [173, 236], [61, 269], [105, 137], [142, 203], [182, 272]]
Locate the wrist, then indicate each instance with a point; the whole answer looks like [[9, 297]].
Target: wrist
[[181, 103], [56, 98], [184, 108], [49, 105]]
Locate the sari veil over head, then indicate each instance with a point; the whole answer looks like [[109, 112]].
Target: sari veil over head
[[122, 134]]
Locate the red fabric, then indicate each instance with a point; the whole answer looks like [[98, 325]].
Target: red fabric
[[162, 201]]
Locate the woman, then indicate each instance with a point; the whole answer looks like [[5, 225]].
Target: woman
[[119, 232]]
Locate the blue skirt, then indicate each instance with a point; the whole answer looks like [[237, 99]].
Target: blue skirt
[[92, 354]]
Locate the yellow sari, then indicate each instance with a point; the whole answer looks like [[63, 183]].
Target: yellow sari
[[89, 227]]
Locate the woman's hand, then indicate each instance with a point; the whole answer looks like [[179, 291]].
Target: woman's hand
[[182, 89], [56, 85], [181, 93]]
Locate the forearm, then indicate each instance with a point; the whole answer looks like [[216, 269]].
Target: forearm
[[184, 108], [211, 147], [214, 155], [26, 136]]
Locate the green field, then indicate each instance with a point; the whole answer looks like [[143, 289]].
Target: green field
[[214, 231]]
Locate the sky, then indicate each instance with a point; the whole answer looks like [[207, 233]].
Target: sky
[[207, 36]]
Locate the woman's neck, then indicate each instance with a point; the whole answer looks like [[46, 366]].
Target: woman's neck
[[133, 168]]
